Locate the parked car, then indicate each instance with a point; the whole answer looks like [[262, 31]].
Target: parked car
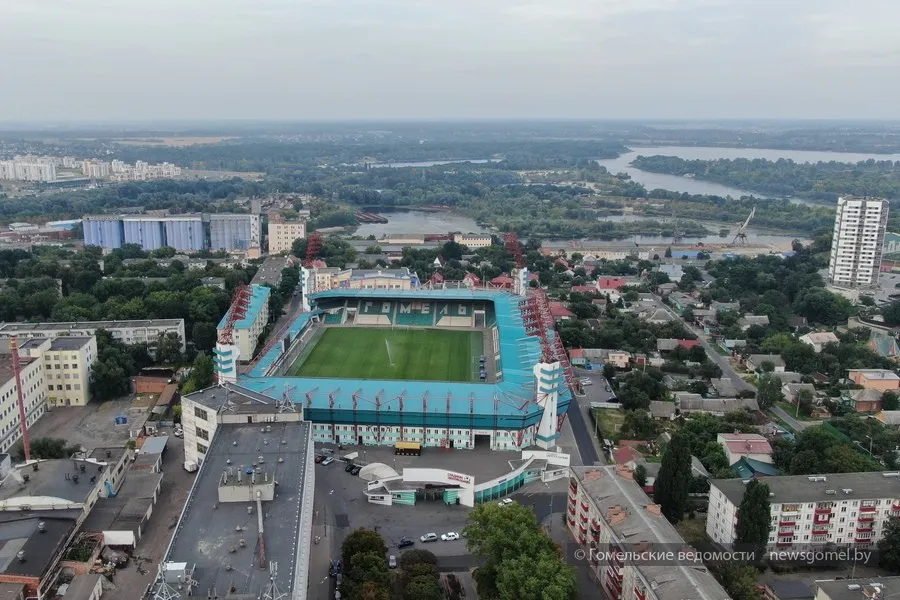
[[450, 536], [320, 458], [392, 562], [328, 461], [429, 537], [586, 381], [505, 502], [356, 470], [405, 542], [335, 568], [349, 467]]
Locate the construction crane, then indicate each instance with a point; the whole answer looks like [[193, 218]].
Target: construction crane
[[742, 232]]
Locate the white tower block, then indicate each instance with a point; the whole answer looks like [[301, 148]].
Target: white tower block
[[307, 287], [225, 358], [520, 285], [550, 380]]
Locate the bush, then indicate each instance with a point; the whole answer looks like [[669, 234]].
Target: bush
[[411, 558]]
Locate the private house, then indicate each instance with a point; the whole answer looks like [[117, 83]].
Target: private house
[[750, 445], [658, 317], [619, 358], [577, 357], [818, 339], [748, 321], [723, 388], [755, 362], [881, 380], [889, 417], [680, 301], [667, 345], [792, 390], [664, 289], [674, 272], [884, 345], [749, 468], [865, 400], [559, 312], [611, 283]]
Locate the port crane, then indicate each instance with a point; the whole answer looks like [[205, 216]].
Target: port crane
[[742, 232]]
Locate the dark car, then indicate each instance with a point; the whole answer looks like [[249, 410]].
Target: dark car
[[320, 458], [405, 543], [356, 470], [349, 467], [335, 568]]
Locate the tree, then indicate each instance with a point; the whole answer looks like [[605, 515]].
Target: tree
[[639, 425], [890, 400], [45, 447], [168, 349], [668, 253], [416, 556], [768, 391], [640, 475], [204, 336], [203, 374], [361, 541], [805, 402], [754, 517], [767, 366], [424, 587], [670, 490], [738, 580], [609, 372], [889, 547]]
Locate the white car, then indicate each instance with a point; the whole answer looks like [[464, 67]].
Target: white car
[[450, 536], [505, 502], [429, 537], [586, 382]]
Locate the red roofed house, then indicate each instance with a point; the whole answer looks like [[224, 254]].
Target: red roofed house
[[610, 283], [563, 262], [559, 312], [626, 454], [503, 281], [584, 289], [688, 344], [576, 357], [749, 445], [471, 280], [437, 278]]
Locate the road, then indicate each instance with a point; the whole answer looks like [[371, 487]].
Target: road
[[728, 371], [791, 422]]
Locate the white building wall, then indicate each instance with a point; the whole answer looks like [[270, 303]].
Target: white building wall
[[844, 520], [858, 242], [35, 398], [199, 425]]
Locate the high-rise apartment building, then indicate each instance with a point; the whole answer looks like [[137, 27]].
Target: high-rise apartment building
[[857, 244], [229, 231], [282, 233]]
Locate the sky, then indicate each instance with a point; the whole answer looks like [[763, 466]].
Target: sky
[[131, 60]]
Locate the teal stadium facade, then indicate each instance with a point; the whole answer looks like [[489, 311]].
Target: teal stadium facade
[[523, 405]]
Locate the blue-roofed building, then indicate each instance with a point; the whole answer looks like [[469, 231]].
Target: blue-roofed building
[[748, 468], [248, 329], [521, 403]]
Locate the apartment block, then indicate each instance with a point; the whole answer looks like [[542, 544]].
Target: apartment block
[[34, 396], [609, 515], [128, 332], [858, 242], [67, 365], [283, 233], [812, 510], [248, 329]]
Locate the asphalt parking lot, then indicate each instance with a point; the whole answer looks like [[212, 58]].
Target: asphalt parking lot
[[341, 507]]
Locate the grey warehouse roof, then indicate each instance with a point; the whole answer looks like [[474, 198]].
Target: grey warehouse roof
[[209, 529]]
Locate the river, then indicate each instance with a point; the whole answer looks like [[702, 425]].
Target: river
[[432, 163], [675, 183]]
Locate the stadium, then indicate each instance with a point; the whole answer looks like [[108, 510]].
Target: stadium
[[451, 366]]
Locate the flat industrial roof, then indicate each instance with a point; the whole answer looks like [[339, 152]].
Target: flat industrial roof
[[207, 529], [14, 327], [69, 343], [610, 492], [23, 535], [6, 369], [55, 478], [860, 589], [814, 488]]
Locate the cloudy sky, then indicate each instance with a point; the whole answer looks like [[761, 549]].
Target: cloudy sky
[[327, 59]]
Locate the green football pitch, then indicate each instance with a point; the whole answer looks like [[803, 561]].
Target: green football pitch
[[415, 354]]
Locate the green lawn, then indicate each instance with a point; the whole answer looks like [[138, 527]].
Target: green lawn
[[376, 353]]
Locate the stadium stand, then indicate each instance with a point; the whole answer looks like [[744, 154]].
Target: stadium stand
[[334, 317], [416, 314]]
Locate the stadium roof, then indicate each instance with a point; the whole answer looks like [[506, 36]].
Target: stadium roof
[[513, 396], [259, 295]]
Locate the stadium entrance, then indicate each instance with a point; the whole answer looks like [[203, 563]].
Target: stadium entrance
[[482, 440]]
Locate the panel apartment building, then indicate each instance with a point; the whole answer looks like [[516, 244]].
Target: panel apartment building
[[811, 510], [128, 332], [283, 233], [34, 394], [858, 242], [607, 511], [67, 365]]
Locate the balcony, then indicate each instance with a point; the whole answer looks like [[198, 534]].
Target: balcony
[[787, 522], [584, 519], [784, 542], [582, 528], [786, 533], [571, 522], [867, 517], [868, 509], [584, 506], [639, 593], [573, 486], [823, 510], [822, 519], [572, 510], [573, 500], [615, 581]]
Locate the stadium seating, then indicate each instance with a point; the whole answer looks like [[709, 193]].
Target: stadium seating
[[336, 318], [415, 314]]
